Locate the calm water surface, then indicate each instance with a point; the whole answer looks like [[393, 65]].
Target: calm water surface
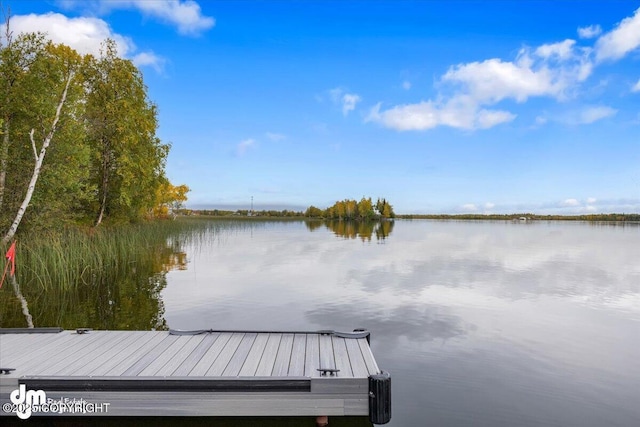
[[479, 323]]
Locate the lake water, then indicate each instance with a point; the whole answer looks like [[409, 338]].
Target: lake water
[[479, 323]]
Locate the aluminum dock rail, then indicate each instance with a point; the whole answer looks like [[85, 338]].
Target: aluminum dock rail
[[50, 371]]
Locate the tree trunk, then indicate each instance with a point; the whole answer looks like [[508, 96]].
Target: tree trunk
[[103, 202], [4, 158], [38, 164], [105, 185]]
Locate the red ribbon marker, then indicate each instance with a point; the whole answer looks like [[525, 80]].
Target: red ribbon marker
[[11, 259]]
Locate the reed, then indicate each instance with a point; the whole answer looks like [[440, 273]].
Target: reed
[[106, 278], [67, 258]]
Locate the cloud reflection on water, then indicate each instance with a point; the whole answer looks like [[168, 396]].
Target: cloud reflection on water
[[480, 322]]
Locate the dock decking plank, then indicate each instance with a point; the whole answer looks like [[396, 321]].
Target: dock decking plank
[[255, 354], [10, 342], [112, 353], [210, 356], [12, 349], [358, 365], [178, 359], [283, 358], [341, 357], [34, 351], [61, 354], [225, 355], [265, 367], [240, 356], [169, 353], [141, 360], [327, 360], [140, 364], [298, 353], [372, 366], [107, 341], [197, 354], [312, 356], [121, 361]]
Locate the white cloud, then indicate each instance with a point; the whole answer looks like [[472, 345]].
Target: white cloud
[[541, 120], [245, 145], [185, 15], [593, 114], [406, 85], [489, 205], [469, 207], [571, 202], [547, 71], [636, 87], [486, 119], [148, 59], [551, 70], [589, 32], [591, 200], [584, 116], [494, 80], [347, 101], [562, 50], [620, 41], [84, 34], [335, 94], [275, 136], [457, 113]]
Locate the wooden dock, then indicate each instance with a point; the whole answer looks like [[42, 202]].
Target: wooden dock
[[194, 373]]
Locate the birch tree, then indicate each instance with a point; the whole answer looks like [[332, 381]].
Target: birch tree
[[16, 58], [39, 159]]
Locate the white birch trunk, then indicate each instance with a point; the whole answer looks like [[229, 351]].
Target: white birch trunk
[[39, 158]]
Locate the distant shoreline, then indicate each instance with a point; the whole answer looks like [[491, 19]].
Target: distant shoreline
[[262, 215], [531, 217]]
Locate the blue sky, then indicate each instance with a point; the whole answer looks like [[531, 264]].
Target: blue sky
[[439, 106]]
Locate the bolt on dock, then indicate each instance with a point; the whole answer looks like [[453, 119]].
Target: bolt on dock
[[191, 373]]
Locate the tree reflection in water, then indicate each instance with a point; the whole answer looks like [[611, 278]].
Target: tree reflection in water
[[125, 296], [365, 230]]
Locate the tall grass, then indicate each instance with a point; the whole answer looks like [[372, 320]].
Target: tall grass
[[67, 258], [106, 278]]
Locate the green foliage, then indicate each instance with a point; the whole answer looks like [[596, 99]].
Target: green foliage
[[348, 209], [313, 212], [104, 159], [127, 158]]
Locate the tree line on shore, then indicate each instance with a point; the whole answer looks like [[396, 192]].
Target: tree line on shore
[[347, 209], [78, 141], [313, 212], [528, 216]]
